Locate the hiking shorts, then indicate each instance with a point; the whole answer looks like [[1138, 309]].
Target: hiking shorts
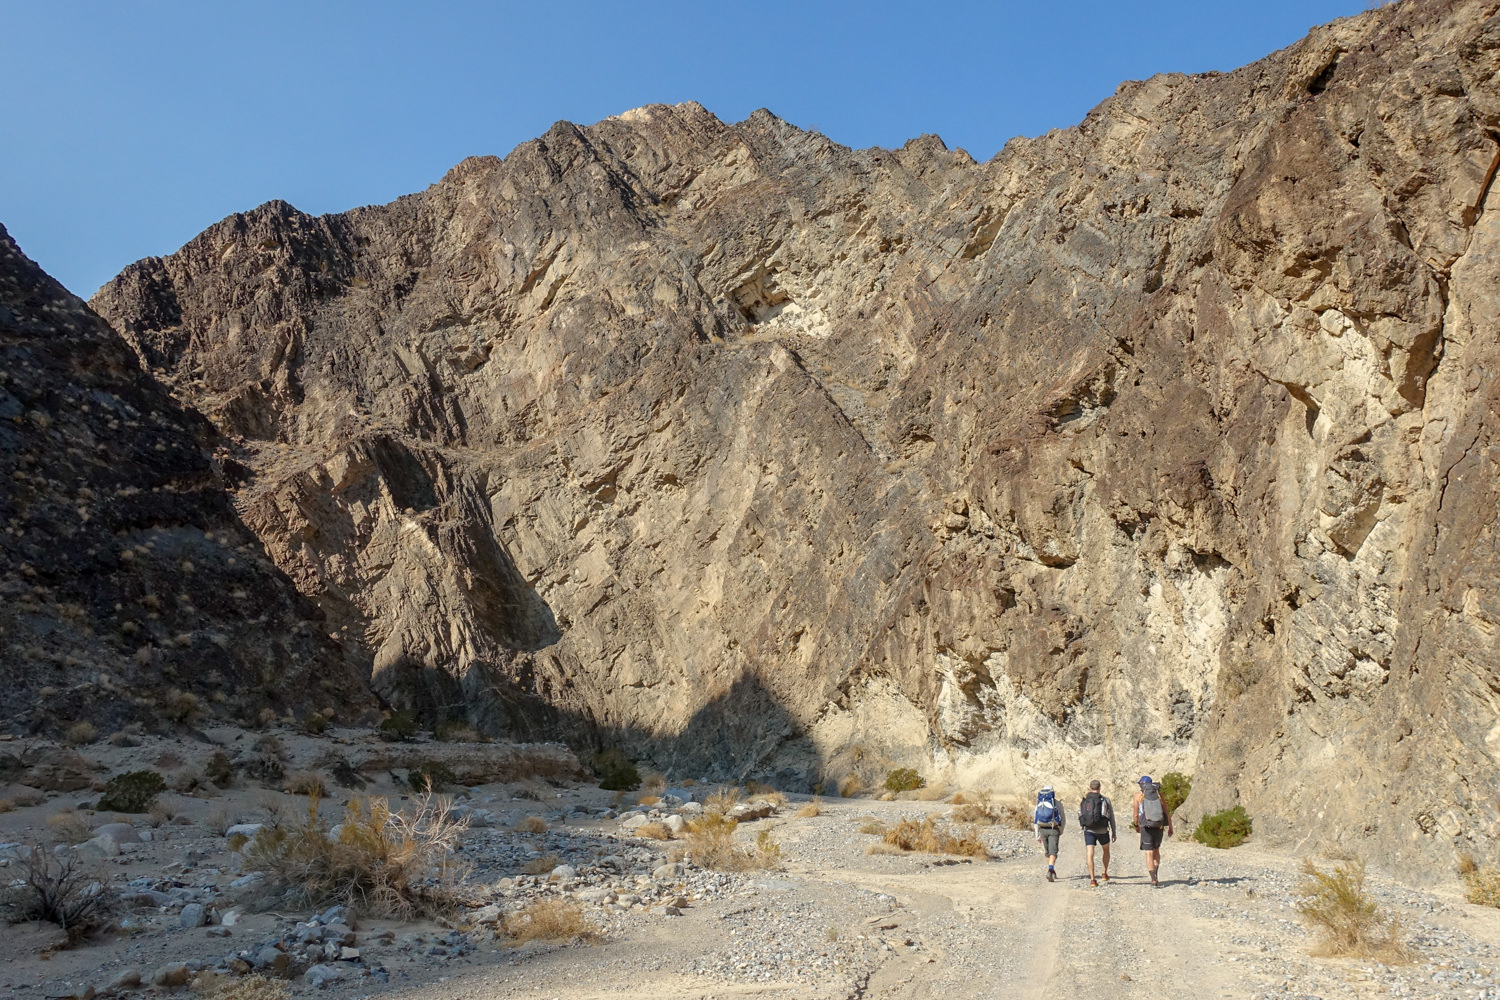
[[1092, 837], [1151, 837], [1050, 838]]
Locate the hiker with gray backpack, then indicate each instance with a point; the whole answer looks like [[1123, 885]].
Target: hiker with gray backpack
[[1047, 823], [1152, 818], [1096, 815]]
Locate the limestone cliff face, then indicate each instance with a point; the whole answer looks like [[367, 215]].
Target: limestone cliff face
[[129, 589], [1162, 441]]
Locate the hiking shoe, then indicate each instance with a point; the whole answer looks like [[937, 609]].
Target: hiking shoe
[[1106, 877], [1094, 883], [1051, 875]]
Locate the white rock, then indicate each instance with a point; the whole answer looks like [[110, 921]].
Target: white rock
[[102, 846], [123, 833], [244, 830], [486, 914], [675, 823], [563, 873]]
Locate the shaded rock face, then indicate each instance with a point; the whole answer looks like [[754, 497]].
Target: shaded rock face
[[131, 590], [1162, 441]]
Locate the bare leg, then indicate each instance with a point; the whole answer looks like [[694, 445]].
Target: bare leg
[[1105, 848], [1091, 860]]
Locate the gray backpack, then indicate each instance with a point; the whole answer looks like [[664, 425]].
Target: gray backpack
[[1153, 815]]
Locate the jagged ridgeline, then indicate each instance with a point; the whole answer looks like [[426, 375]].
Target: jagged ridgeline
[[1159, 443]]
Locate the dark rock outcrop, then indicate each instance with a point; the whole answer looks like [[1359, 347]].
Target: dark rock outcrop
[[131, 590]]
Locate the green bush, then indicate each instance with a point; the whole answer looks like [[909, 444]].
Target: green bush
[[1175, 787], [219, 769], [904, 779], [1229, 828], [132, 792], [616, 772], [398, 727], [433, 775]]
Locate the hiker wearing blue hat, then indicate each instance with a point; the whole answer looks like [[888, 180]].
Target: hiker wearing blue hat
[[1153, 820]]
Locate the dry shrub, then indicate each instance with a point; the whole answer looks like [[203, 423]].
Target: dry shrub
[[219, 820], [975, 813], [648, 800], [931, 793], [549, 920], [1481, 882], [773, 797], [711, 842], [532, 824], [80, 734], [383, 863], [850, 786], [59, 889], [69, 827], [305, 783], [6, 805], [964, 798], [1351, 924], [655, 831], [164, 810], [872, 826], [929, 837], [721, 799], [213, 986], [811, 809], [1012, 816], [168, 760], [881, 847], [542, 865], [654, 784]]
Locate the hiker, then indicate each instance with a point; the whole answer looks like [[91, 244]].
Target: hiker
[[1153, 819], [1047, 823], [1096, 815]]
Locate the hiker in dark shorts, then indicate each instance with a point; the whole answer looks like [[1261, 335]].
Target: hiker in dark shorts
[[1154, 821], [1096, 814]]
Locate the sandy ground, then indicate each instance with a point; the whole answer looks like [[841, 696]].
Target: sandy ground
[[831, 920]]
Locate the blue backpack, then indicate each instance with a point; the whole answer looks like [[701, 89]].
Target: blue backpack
[[1046, 810]]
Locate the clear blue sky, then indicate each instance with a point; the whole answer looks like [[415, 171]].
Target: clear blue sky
[[126, 128]]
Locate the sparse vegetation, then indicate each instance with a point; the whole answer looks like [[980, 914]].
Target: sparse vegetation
[[654, 831], [60, 890], [615, 770], [384, 863], [431, 776], [873, 827], [850, 786], [811, 809], [181, 707], [532, 824], [164, 810], [711, 842], [219, 820], [458, 732], [904, 779], [648, 800], [549, 920], [305, 783], [930, 837], [1347, 918], [541, 865], [6, 805], [132, 792], [213, 986], [219, 769], [80, 734], [398, 727], [771, 797], [1229, 828], [68, 827], [1481, 882], [721, 799], [1175, 787], [975, 813]]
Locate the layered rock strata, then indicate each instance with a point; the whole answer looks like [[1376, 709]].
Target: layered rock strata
[[1160, 441]]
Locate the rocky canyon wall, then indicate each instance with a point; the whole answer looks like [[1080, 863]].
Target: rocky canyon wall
[[1161, 441]]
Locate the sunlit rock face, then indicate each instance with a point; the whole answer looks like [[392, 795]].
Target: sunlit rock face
[[1161, 442]]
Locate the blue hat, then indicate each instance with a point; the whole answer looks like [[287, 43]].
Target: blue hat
[[1145, 780]]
